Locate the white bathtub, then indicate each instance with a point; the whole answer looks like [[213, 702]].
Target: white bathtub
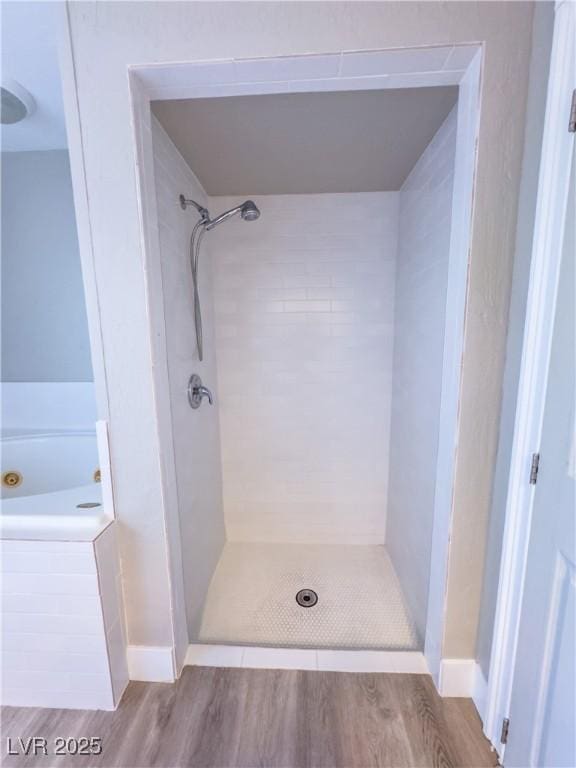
[[57, 472], [63, 636]]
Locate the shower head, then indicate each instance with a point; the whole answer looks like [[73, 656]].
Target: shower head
[[248, 210]]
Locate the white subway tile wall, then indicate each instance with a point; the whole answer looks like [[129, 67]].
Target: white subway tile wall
[[304, 306], [62, 624], [421, 281], [348, 70], [196, 433]]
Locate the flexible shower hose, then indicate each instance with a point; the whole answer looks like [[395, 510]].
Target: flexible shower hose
[[195, 240]]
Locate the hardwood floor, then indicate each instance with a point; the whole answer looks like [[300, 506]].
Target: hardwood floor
[[271, 718]]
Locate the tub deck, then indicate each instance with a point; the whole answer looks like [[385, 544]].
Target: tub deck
[[54, 516]]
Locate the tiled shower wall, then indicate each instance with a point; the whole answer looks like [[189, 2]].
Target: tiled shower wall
[[421, 281], [304, 304], [195, 432]]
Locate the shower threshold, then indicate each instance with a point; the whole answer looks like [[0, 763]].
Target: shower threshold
[[254, 657]]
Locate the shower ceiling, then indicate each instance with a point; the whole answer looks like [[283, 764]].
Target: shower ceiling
[[347, 141]]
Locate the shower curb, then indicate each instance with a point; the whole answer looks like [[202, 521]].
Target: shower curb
[[254, 657]]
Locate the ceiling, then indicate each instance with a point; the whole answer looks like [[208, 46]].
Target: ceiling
[[296, 143], [30, 56]]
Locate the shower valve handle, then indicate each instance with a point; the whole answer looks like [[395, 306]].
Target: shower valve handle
[[197, 391], [204, 392]]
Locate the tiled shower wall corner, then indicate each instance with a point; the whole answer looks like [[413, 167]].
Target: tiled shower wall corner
[[421, 281], [195, 433], [304, 307]]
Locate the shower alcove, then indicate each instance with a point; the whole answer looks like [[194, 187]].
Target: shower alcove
[[332, 331]]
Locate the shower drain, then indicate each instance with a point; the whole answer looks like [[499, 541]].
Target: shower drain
[[306, 598]]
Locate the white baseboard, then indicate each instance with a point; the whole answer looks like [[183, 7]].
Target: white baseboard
[[457, 678], [463, 678], [151, 663], [252, 657], [480, 692]]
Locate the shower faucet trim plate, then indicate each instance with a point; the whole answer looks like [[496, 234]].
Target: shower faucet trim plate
[[197, 391]]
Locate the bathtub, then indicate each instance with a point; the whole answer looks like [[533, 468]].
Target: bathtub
[[45, 476], [60, 582]]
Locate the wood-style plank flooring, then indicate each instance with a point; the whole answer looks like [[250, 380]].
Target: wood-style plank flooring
[[272, 718]]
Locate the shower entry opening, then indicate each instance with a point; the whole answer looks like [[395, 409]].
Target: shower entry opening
[[313, 493]]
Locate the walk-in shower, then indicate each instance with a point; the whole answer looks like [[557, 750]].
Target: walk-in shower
[[305, 525], [247, 210]]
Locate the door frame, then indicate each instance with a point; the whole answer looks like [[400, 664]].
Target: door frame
[[550, 214]]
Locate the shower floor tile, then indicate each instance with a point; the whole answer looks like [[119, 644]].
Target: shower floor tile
[[252, 598]]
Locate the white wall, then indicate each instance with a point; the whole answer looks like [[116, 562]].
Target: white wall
[[44, 328], [47, 406], [105, 39], [419, 319], [304, 312], [539, 66], [195, 432]]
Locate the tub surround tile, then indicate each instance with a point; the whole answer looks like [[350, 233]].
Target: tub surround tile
[[62, 634], [52, 519], [15, 641], [116, 642], [110, 587], [61, 605], [107, 562], [49, 562], [27, 546], [50, 583], [65, 663], [51, 625], [30, 696]]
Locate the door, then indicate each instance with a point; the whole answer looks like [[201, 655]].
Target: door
[[543, 711]]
